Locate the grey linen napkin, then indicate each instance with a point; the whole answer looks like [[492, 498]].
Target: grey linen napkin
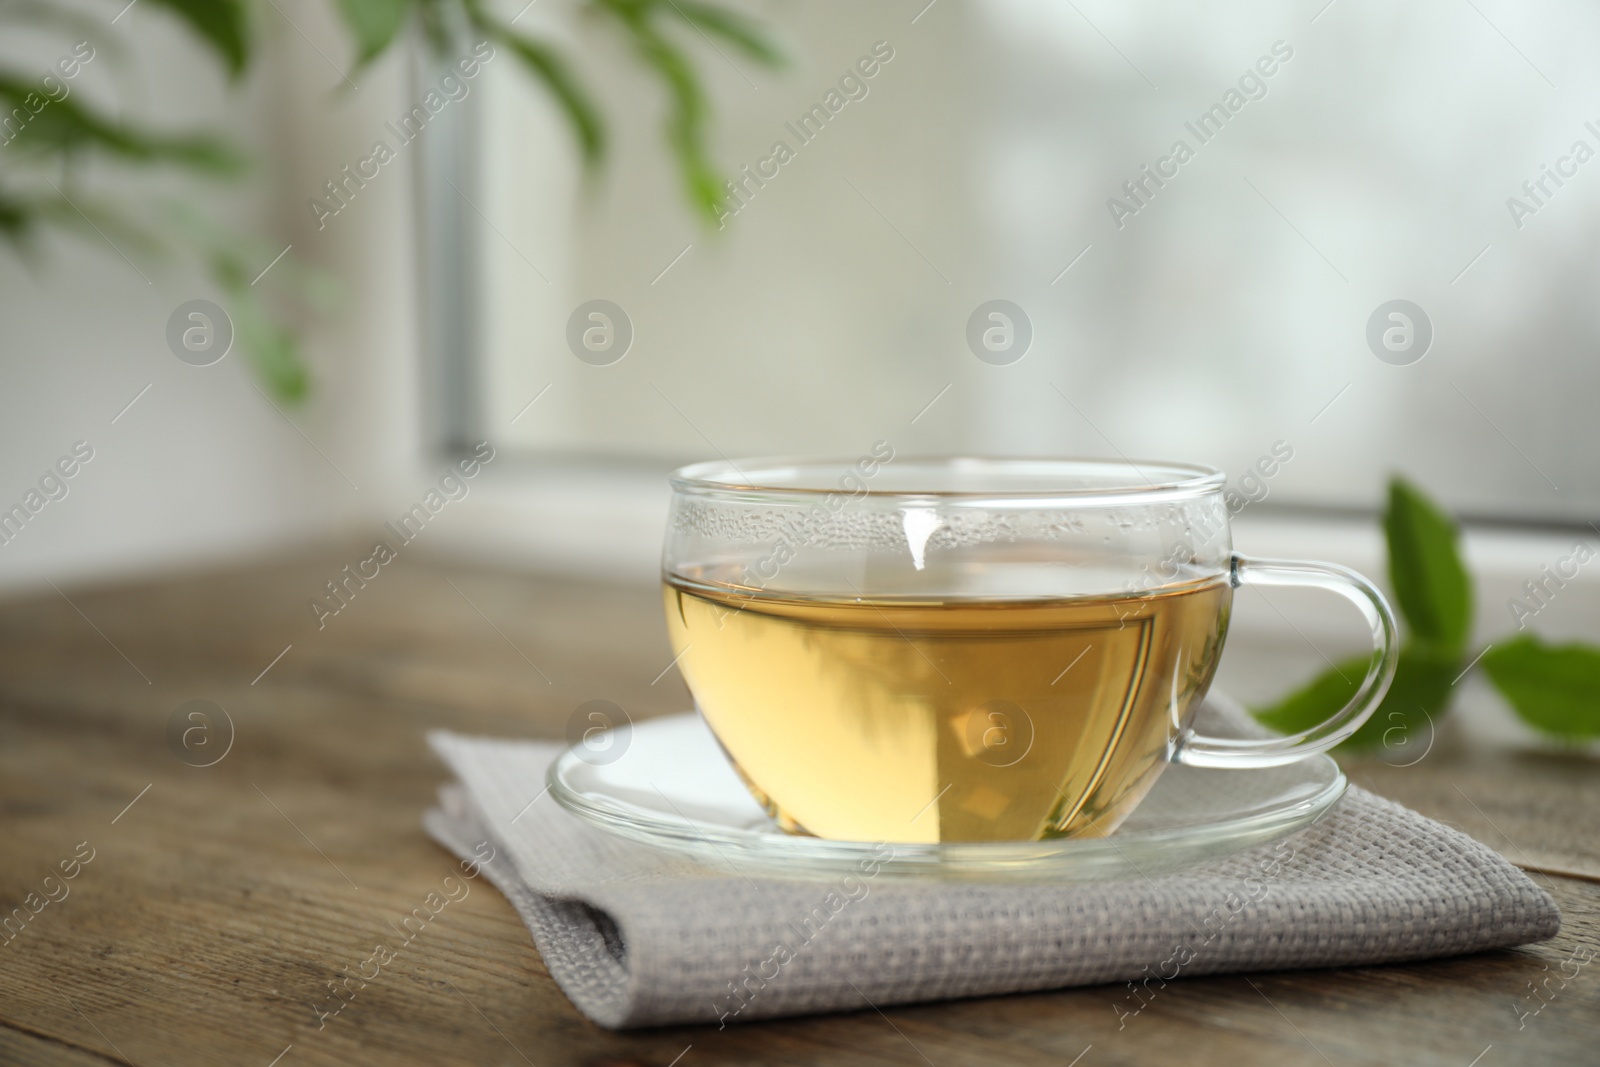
[[639, 937]]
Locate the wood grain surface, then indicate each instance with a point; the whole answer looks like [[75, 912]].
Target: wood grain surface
[[221, 900]]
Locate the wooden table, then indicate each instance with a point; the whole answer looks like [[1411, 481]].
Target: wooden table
[[220, 900]]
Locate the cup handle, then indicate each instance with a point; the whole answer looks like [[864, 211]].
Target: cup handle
[[1198, 750]]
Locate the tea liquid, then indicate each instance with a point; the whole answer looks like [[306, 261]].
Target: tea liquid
[[920, 720]]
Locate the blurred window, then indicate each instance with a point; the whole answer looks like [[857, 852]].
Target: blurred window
[[1333, 244]]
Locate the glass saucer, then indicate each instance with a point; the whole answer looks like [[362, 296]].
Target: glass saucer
[[666, 783]]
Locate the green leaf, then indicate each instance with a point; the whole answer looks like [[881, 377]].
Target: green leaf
[[1425, 570], [270, 348], [549, 67], [374, 24], [1419, 694], [223, 24], [58, 126], [686, 122], [737, 29], [16, 221], [1555, 688], [1316, 700]]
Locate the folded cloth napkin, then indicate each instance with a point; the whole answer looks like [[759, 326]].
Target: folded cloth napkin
[[640, 937]]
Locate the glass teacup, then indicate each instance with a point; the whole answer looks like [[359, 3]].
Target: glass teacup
[[952, 649]]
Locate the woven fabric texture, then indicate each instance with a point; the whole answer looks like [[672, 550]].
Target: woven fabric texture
[[637, 937]]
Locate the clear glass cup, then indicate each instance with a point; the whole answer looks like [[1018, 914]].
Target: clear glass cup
[[962, 649]]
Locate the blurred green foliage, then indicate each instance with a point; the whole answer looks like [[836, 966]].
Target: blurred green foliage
[[1555, 689], [54, 134]]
